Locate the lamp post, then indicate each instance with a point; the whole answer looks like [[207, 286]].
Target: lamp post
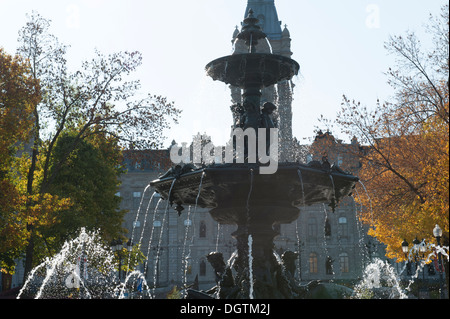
[[405, 249], [422, 250], [118, 246], [416, 245], [437, 233]]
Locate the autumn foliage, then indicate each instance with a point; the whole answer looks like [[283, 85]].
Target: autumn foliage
[[405, 158], [19, 93], [100, 107]]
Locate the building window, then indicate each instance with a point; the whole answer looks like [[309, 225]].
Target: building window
[[343, 227], [313, 263], [137, 166], [202, 229], [329, 266], [188, 223], [202, 268], [343, 258], [312, 227], [157, 224], [327, 228], [136, 199]]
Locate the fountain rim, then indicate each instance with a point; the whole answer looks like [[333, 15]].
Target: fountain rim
[[246, 167], [237, 59]]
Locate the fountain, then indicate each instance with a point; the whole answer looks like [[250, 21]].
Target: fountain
[[236, 194], [83, 269], [379, 281]]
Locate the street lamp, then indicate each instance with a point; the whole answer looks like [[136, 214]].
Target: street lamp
[[418, 247], [405, 249], [423, 248], [437, 233], [118, 246], [416, 243]]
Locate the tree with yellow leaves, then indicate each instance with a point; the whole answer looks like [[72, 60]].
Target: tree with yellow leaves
[[19, 92], [405, 161]]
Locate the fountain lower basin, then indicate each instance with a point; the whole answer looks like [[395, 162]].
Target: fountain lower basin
[[229, 191], [237, 194]]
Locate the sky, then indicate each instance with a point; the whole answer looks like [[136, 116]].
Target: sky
[[339, 45]]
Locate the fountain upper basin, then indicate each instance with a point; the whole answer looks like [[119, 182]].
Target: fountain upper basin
[[252, 69]]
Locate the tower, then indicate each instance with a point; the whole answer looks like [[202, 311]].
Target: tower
[[282, 93]]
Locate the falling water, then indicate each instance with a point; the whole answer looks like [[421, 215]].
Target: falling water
[[372, 224], [186, 258], [370, 202], [158, 248], [250, 238], [379, 281], [250, 264], [143, 225], [129, 276], [218, 236], [139, 211], [333, 187], [365, 254], [149, 246], [299, 172], [297, 232], [431, 257], [155, 213], [250, 193], [145, 219], [30, 277], [83, 267], [325, 243]]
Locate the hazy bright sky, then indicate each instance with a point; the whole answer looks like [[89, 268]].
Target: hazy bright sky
[[339, 45]]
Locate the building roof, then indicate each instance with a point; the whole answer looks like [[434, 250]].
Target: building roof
[[266, 12], [146, 161]]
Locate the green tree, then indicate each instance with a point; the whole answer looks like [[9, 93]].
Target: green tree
[[90, 178], [98, 98]]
